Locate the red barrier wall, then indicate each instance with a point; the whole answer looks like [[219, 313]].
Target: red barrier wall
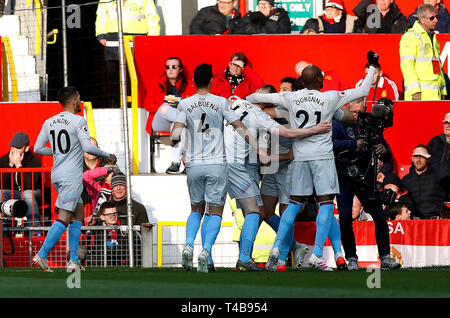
[[28, 118], [272, 56]]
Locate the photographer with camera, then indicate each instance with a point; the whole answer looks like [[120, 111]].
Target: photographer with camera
[[358, 147]]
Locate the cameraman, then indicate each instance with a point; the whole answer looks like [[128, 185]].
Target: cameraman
[[351, 139]]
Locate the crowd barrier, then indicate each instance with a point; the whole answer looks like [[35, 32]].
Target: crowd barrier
[[414, 243]]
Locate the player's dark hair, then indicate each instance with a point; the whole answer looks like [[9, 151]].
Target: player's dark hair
[[288, 79], [240, 56], [202, 75], [66, 94], [106, 205]]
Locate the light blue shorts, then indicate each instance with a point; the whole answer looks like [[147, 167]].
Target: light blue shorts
[[207, 183], [240, 184], [320, 175], [253, 172], [69, 195], [273, 184]]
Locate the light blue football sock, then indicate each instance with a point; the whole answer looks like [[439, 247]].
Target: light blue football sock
[[192, 226], [248, 234], [203, 234], [285, 229], [285, 248], [74, 239], [212, 230], [274, 222], [335, 236], [54, 234], [323, 222]]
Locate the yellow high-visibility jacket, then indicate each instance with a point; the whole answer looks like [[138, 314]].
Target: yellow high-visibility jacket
[[417, 54], [138, 17]]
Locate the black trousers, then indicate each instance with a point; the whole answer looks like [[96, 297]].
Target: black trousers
[[348, 190]]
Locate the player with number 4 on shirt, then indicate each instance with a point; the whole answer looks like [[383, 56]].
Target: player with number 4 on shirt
[[314, 169], [69, 138]]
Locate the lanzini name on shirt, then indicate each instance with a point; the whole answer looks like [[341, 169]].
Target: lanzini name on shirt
[[60, 121]]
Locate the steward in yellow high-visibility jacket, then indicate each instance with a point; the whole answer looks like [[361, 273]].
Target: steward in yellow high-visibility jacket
[[139, 17], [419, 60]]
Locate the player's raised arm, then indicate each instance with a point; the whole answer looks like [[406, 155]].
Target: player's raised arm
[[350, 95], [242, 130], [274, 98], [41, 141], [320, 128]]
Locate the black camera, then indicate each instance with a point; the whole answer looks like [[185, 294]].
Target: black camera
[[381, 117]]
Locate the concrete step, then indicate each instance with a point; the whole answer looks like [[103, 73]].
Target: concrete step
[[9, 25], [25, 65], [19, 45], [26, 82]]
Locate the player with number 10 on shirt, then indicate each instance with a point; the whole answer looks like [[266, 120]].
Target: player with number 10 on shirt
[[69, 138]]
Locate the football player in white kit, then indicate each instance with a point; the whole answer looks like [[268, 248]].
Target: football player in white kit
[[241, 181], [206, 169], [313, 167], [69, 138]]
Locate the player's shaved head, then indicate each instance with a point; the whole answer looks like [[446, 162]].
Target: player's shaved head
[[312, 77]]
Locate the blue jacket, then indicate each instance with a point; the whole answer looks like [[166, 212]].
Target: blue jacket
[[443, 25]]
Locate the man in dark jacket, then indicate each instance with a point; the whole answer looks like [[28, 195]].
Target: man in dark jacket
[[443, 25], [267, 20], [425, 195], [439, 146], [20, 156], [221, 18], [119, 196], [382, 17], [348, 143], [333, 20]]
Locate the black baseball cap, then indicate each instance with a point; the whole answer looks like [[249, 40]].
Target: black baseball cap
[[19, 140]]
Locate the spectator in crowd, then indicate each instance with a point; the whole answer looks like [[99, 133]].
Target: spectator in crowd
[[98, 192], [385, 88], [347, 143], [222, 18], [267, 19], [439, 146], [173, 85], [139, 17], [419, 58], [382, 17], [20, 156], [2, 7], [332, 81], [333, 20], [238, 79], [287, 84], [443, 25], [119, 196], [426, 195], [399, 211], [91, 163], [116, 244]]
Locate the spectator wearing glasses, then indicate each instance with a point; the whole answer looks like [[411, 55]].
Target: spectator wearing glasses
[[267, 19], [173, 86], [419, 58], [222, 18], [443, 25], [238, 80]]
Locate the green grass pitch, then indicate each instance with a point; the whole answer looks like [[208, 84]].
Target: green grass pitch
[[431, 282]]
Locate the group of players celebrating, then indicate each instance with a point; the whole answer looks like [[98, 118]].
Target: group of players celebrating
[[228, 142]]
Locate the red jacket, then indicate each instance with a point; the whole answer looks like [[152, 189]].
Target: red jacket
[[158, 98], [332, 81], [251, 83]]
